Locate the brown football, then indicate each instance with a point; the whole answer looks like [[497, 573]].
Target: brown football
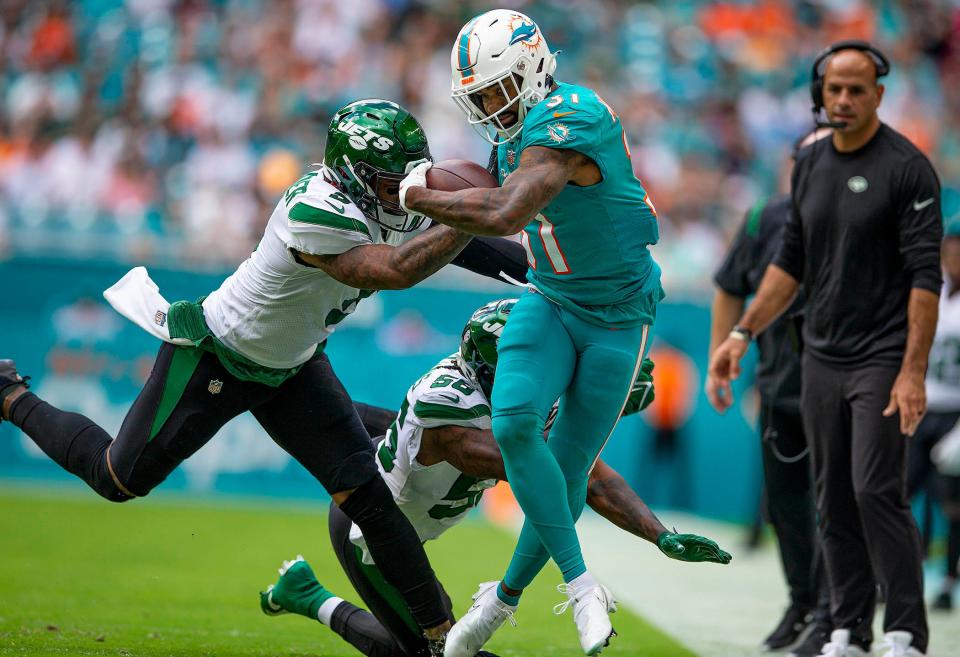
[[453, 175]]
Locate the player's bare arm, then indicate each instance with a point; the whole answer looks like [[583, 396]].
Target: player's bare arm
[[609, 495], [475, 453], [542, 174], [908, 395], [384, 267]]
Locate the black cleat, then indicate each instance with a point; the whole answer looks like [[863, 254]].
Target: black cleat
[[9, 380], [812, 644], [943, 601], [795, 620]]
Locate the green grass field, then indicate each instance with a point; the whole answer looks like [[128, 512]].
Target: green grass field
[[169, 576]]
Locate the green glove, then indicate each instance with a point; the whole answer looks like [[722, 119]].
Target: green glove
[[690, 547], [641, 394]]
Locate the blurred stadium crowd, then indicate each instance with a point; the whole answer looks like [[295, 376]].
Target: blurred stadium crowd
[[163, 131]]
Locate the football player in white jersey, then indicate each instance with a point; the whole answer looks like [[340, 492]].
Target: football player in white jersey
[[943, 413], [256, 344], [438, 457]]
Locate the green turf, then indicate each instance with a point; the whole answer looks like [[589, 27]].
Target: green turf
[[166, 576]]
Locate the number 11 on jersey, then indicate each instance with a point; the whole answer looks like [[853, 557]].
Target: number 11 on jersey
[[555, 255]]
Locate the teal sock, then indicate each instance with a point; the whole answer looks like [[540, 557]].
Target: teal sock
[[506, 598]]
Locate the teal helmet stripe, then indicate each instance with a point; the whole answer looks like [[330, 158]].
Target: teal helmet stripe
[[466, 70]]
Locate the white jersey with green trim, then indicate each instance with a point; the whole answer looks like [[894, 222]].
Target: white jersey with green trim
[[434, 498], [276, 311], [943, 371]]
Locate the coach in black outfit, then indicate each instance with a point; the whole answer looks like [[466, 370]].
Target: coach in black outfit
[[864, 238], [788, 501]]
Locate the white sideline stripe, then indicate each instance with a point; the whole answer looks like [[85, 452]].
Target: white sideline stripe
[[716, 611]]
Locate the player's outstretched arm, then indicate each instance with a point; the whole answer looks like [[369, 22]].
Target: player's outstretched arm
[[384, 267], [542, 174], [609, 495], [473, 452]]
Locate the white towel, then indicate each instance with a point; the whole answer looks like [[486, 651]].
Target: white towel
[[946, 453], [137, 297]]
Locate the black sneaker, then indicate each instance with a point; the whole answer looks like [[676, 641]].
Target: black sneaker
[[791, 626], [9, 379], [943, 601], [812, 644]]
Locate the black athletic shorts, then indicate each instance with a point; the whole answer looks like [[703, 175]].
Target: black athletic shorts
[[190, 396]]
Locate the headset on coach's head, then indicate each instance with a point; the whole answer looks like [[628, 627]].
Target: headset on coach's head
[[816, 75]]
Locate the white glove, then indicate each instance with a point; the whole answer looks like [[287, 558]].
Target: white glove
[[416, 177]]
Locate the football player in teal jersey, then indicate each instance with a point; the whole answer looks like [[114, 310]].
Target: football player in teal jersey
[[581, 330], [438, 456]]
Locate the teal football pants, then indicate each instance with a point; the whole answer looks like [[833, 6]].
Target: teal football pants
[[546, 353]]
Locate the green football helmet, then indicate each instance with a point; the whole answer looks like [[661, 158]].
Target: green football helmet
[[478, 356], [478, 345], [371, 145]]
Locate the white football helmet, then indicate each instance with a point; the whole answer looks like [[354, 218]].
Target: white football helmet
[[489, 50]]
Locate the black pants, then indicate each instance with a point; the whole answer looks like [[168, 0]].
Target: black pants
[[790, 507], [867, 530], [189, 396], [389, 631]]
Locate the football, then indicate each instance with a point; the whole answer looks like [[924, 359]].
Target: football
[[453, 175]]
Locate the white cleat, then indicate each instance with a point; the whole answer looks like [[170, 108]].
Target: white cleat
[[591, 609], [289, 563], [487, 613], [897, 644], [839, 646]]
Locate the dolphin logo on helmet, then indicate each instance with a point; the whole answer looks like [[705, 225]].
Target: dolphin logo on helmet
[[525, 32]]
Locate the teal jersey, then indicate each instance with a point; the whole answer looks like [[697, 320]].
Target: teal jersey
[[587, 249]]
